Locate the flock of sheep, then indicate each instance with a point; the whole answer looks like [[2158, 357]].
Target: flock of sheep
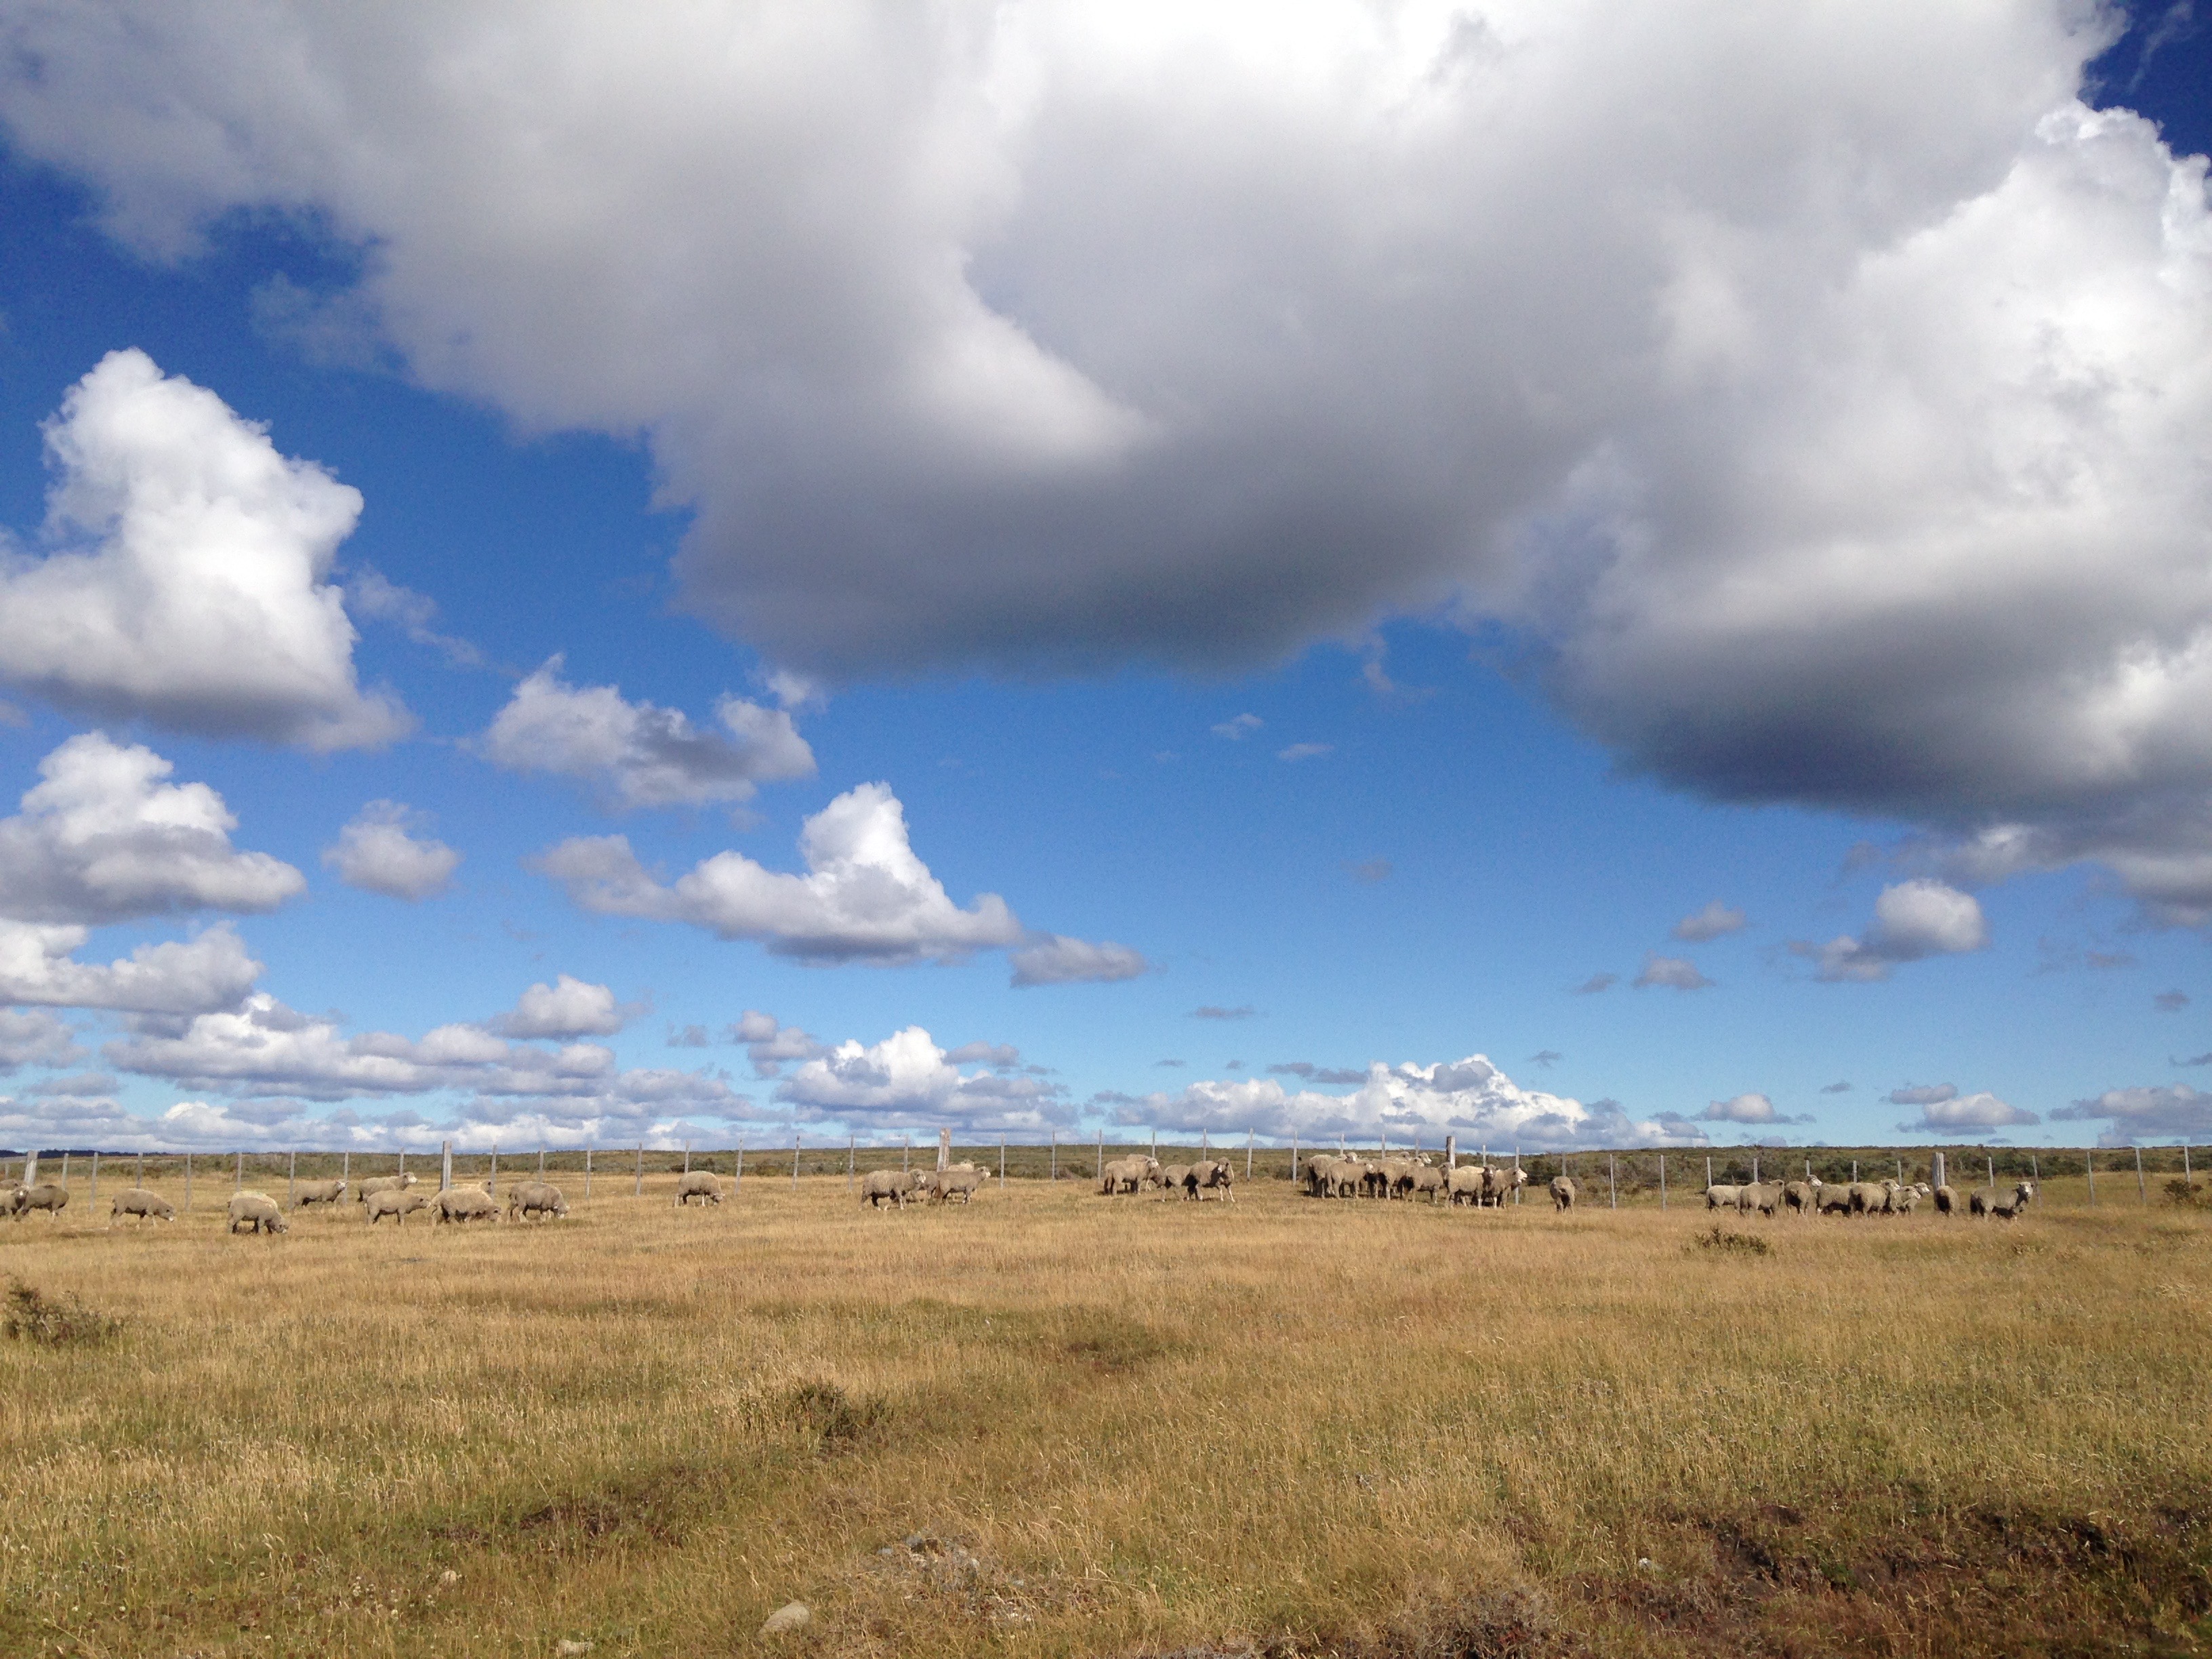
[[1484, 1185]]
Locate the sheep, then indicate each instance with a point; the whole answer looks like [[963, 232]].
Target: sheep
[[539, 1198], [1563, 1193], [1500, 1183], [1868, 1198], [1946, 1200], [1208, 1176], [396, 1202], [1374, 1180], [1986, 1201], [1724, 1198], [1801, 1196], [1464, 1183], [1762, 1196], [382, 1184], [46, 1195], [1172, 1179], [1905, 1200], [256, 1213], [463, 1204], [1427, 1180], [1129, 1175], [895, 1185], [146, 1206], [1833, 1201], [960, 1181], [1332, 1178], [700, 1184], [317, 1192]]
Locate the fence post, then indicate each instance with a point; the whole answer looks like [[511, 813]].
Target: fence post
[[541, 1160], [1709, 1172], [1991, 1164], [740, 1180], [2185, 1179], [945, 1149], [445, 1167], [1099, 1174], [1517, 1175], [1248, 1157], [345, 1166], [188, 1184], [2035, 1166], [1294, 1160], [906, 1152], [851, 1150], [94, 1199], [1451, 1153], [1054, 1173], [1662, 1180], [237, 1178], [1612, 1188], [2089, 1167], [795, 1144], [291, 1177], [1002, 1163], [637, 1186], [139, 1180], [492, 1186], [2142, 1189], [1935, 1169], [686, 1158], [588, 1172], [1855, 1172]]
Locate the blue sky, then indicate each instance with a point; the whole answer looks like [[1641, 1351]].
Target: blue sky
[[1437, 603]]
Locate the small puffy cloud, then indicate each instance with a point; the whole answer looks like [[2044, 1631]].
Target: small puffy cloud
[[568, 1007], [1912, 920], [185, 585], [771, 1046], [1841, 1086], [637, 754], [1001, 1056], [688, 1036], [865, 897], [2170, 1111], [1971, 1116], [2170, 1002], [103, 838], [1713, 921], [1470, 1097], [375, 853], [1298, 751], [38, 966], [1675, 973], [1596, 982], [1245, 1011], [37, 1038], [1238, 727], [1056, 959], [1370, 871], [1746, 1108], [375, 597], [1923, 1094], [907, 1080]]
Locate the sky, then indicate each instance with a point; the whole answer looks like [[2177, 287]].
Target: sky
[[1569, 575]]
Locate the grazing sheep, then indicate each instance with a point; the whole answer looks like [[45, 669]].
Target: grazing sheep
[[146, 1206], [1833, 1201], [1724, 1198], [1563, 1193], [1430, 1180], [1374, 1180], [1800, 1196], [382, 1184], [1905, 1200], [396, 1202], [462, 1203], [1500, 1183], [1172, 1179], [959, 1182], [1946, 1200], [1868, 1198], [46, 1195], [1210, 1175], [256, 1213], [2005, 1205], [537, 1198], [700, 1184], [1465, 1183], [317, 1192], [1762, 1196], [1332, 1178], [1127, 1175], [894, 1185]]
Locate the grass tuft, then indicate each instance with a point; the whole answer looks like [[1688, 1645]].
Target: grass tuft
[[1726, 1242], [54, 1321]]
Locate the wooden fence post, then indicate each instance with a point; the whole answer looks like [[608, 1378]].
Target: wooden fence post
[[1002, 1163], [2142, 1188], [541, 1160], [345, 1167], [686, 1158], [188, 1184], [637, 1186], [1294, 1160], [1099, 1174], [291, 1178], [1612, 1187], [1934, 1169], [1709, 1172], [445, 1167], [492, 1186], [1451, 1153], [588, 1172], [139, 1180], [1054, 1173], [2090, 1168], [1248, 1157], [740, 1180], [94, 1199], [237, 1178], [851, 1150], [906, 1152], [1986, 1159], [1662, 1180]]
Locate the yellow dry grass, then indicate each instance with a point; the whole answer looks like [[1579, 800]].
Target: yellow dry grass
[[1111, 1426]]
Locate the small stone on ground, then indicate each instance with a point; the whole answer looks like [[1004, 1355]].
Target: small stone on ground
[[793, 1615]]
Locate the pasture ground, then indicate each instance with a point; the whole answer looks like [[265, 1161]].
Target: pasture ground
[[1055, 1423]]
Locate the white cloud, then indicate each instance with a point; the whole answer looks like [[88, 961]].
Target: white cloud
[[1298, 751], [102, 838], [35, 1039], [185, 585], [567, 1008], [264, 1049], [1971, 1116], [1056, 959], [2163, 1112], [907, 1080], [1713, 921], [1912, 920], [866, 896], [1675, 973], [375, 853], [1923, 1094], [769, 1046], [38, 966], [375, 597], [638, 753], [1746, 1108], [1471, 1098], [1833, 416], [1238, 728]]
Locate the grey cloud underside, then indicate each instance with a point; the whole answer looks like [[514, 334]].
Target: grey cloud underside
[[1820, 395]]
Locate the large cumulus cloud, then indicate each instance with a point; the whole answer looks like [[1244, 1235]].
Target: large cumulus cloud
[[1822, 391]]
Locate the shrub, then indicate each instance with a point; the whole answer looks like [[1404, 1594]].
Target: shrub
[[1717, 1237], [54, 1320], [2187, 1193]]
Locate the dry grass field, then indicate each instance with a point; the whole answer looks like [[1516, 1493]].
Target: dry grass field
[[1055, 1423]]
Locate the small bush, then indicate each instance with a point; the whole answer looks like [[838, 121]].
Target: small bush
[[2188, 1193], [55, 1321], [1717, 1237], [835, 1418]]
